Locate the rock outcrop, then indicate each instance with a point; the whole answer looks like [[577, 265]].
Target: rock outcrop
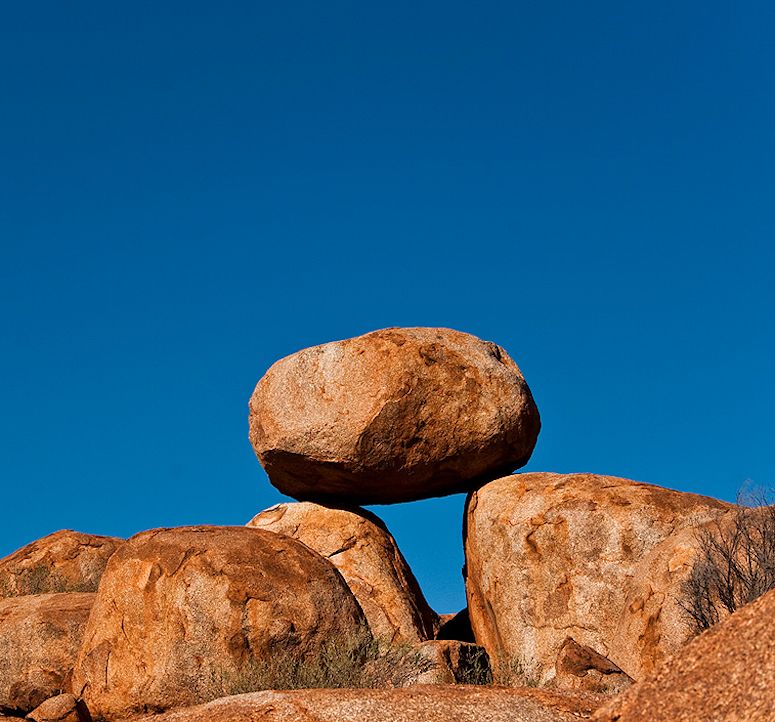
[[726, 673], [414, 704], [65, 561], [593, 557], [359, 545], [189, 614], [395, 415], [39, 640]]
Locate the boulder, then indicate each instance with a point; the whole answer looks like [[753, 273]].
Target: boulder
[[581, 667], [597, 558], [395, 415], [413, 704], [39, 639], [65, 561], [62, 708], [726, 673], [452, 662], [189, 614], [359, 545]]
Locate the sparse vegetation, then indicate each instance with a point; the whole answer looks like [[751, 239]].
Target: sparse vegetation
[[735, 563], [40, 579], [476, 669], [339, 665]]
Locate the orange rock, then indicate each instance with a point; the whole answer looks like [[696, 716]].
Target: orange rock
[[597, 558], [62, 708], [65, 561], [185, 615], [413, 704], [359, 545], [395, 415], [39, 639], [726, 673], [581, 667]]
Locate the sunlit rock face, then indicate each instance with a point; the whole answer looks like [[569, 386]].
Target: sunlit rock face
[[596, 558], [394, 415]]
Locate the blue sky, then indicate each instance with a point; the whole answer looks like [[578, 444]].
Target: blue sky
[[190, 191]]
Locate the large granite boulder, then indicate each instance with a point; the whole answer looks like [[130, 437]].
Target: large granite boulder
[[359, 545], [186, 615], [65, 561], [395, 415], [726, 673], [413, 704], [39, 639], [596, 558]]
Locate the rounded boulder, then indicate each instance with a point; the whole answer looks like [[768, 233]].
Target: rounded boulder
[[395, 415], [189, 614]]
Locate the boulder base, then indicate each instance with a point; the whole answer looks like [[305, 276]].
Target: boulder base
[[190, 614], [597, 558], [725, 673], [413, 704], [39, 639], [359, 545]]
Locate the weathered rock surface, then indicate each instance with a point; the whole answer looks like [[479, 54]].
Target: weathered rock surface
[[359, 545], [395, 415], [594, 557], [414, 704], [65, 561], [62, 708], [183, 615], [39, 639], [727, 673], [581, 667]]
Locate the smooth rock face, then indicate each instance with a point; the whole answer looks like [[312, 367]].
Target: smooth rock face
[[414, 704], [183, 615], [594, 557], [727, 673], [359, 545], [395, 415], [65, 561], [39, 640]]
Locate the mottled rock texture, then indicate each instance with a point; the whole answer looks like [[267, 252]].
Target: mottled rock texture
[[39, 640], [395, 415], [597, 558], [182, 615], [65, 561], [452, 662], [359, 545], [414, 704], [727, 673]]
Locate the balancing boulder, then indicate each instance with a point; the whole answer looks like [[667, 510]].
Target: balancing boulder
[[392, 416]]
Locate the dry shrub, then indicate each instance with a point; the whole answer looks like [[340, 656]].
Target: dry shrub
[[340, 664], [735, 563]]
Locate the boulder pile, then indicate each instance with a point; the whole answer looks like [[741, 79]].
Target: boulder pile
[[573, 581]]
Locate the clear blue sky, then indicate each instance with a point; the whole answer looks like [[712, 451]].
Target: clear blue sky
[[189, 191]]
